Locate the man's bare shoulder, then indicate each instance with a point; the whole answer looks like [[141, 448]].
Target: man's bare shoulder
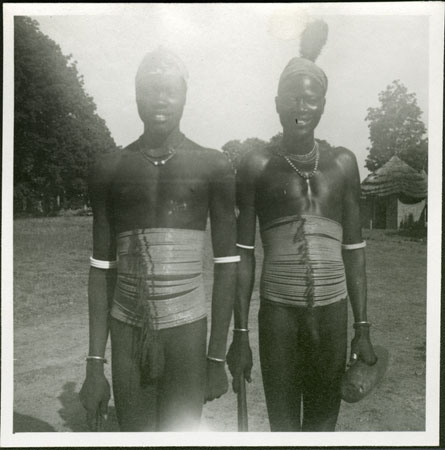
[[340, 157], [254, 162], [106, 164], [192, 147], [210, 159]]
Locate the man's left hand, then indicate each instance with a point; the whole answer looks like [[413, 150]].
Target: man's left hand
[[217, 383], [361, 348]]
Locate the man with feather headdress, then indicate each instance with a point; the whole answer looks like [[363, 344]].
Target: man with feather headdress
[[306, 197], [150, 205]]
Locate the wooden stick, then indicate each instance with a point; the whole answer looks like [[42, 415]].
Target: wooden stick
[[242, 405]]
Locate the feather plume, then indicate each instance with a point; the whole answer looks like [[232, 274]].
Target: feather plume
[[313, 38]]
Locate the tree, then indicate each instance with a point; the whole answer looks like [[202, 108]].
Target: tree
[[57, 133], [236, 149], [395, 128]]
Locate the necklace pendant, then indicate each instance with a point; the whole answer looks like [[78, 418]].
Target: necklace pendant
[[159, 162]]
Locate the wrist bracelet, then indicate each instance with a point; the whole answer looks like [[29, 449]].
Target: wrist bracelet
[[218, 360], [362, 323], [245, 330], [99, 264], [246, 247], [353, 246], [226, 259], [96, 358]]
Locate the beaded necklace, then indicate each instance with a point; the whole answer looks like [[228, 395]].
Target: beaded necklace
[[304, 159], [159, 160], [314, 157]]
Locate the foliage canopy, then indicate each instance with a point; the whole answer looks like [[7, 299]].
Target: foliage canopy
[[395, 128], [57, 132]]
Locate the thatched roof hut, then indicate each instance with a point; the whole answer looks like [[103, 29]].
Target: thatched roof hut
[[396, 178], [387, 192]]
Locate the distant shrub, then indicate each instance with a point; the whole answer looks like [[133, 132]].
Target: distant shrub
[[86, 211]]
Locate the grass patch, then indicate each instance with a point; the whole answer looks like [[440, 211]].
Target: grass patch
[[50, 264]]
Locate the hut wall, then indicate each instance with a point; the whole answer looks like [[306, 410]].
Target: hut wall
[[392, 212], [374, 212], [405, 210]]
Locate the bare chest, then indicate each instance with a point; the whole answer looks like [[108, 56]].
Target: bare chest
[[283, 191], [163, 195]]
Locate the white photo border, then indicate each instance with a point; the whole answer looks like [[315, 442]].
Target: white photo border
[[429, 437]]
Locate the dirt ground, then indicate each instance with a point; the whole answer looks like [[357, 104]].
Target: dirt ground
[[51, 334]]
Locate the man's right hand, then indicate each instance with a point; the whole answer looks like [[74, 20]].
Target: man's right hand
[[361, 347], [94, 396], [239, 359]]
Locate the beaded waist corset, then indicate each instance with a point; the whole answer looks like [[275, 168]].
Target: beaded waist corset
[[303, 263], [159, 277]]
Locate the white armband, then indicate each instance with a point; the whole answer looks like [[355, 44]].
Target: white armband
[[353, 246], [226, 259], [100, 264], [247, 247]]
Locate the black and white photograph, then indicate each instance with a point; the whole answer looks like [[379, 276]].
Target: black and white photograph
[[221, 224]]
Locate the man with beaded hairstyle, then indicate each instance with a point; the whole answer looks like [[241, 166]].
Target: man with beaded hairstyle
[[306, 197], [150, 206]]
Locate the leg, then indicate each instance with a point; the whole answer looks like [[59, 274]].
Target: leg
[[280, 366], [182, 388], [136, 407], [325, 335]]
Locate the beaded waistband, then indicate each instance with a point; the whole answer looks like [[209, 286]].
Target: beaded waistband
[[303, 264], [159, 277]]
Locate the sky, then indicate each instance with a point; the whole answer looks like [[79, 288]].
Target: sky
[[235, 54]]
